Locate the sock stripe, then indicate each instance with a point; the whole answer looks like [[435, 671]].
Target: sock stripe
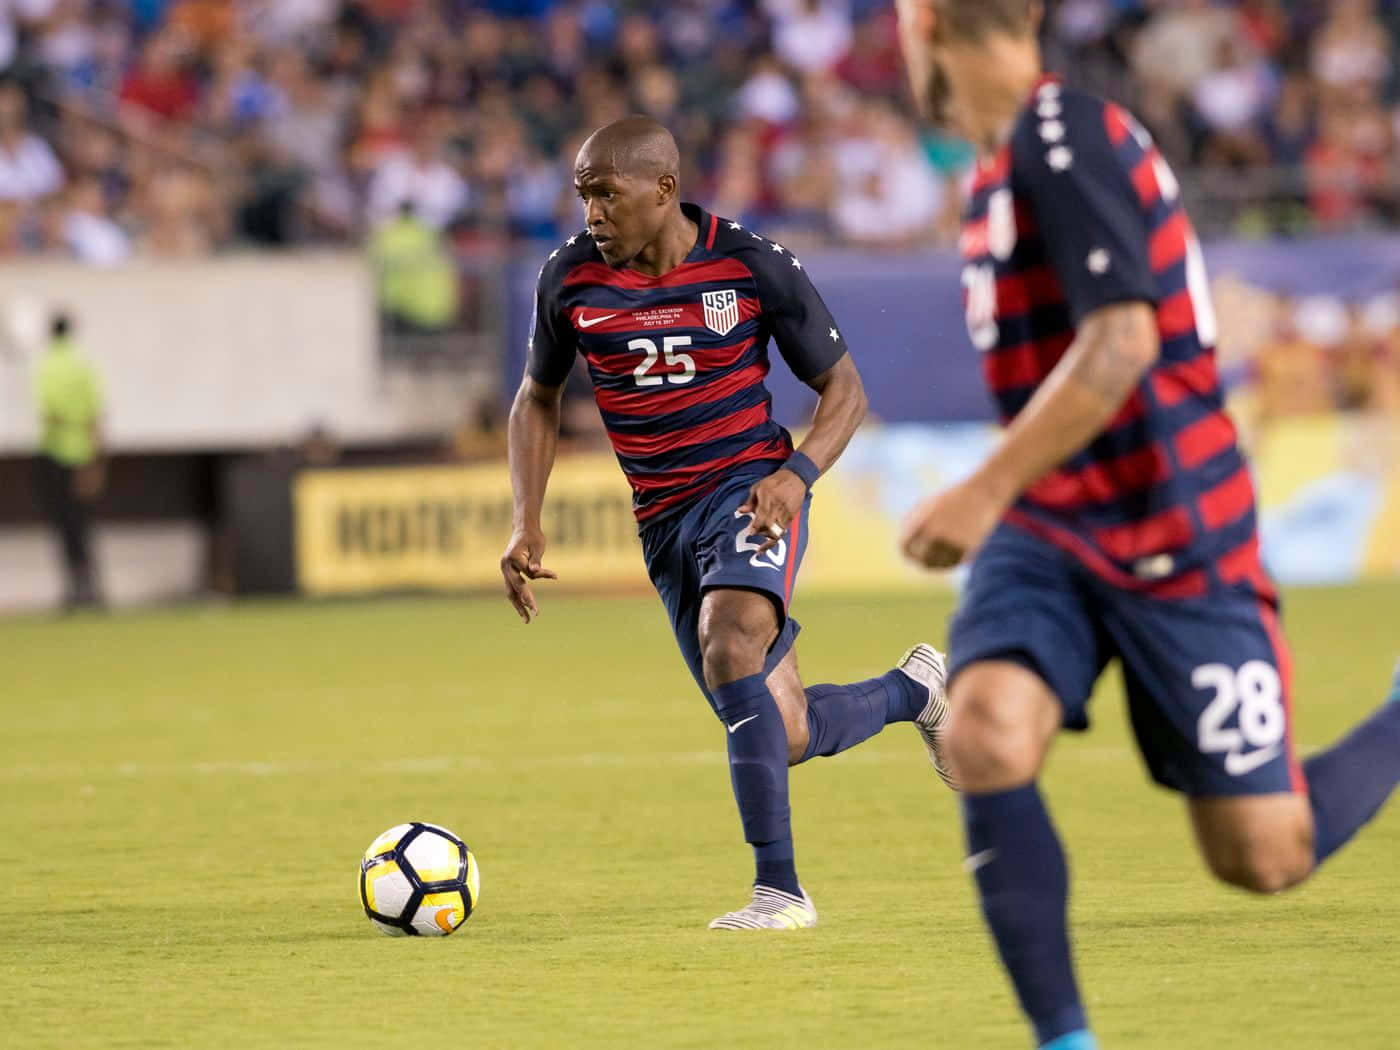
[[794, 537]]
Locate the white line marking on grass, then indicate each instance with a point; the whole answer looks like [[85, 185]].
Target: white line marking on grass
[[439, 764], [409, 766]]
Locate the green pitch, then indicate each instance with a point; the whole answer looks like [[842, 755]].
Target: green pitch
[[186, 796]]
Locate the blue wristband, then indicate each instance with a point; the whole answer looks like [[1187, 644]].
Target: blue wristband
[[803, 467]]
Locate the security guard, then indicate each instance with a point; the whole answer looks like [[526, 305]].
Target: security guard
[[70, 474]]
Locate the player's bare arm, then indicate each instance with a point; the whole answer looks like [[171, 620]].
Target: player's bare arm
[[777, 498], [1115, 346], [1113, 349], [533, 438]]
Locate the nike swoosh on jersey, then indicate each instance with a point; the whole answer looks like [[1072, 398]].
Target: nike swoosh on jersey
[[1238, 764], [584, 322]]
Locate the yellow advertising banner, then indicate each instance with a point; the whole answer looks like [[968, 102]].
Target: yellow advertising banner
[[1329, 497], [444, 528], [1329, 491]]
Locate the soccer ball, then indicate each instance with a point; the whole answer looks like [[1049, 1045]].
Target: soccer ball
[[418, 880]]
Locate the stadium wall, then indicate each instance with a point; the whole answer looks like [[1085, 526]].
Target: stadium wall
[[236, 352], [903, 320]]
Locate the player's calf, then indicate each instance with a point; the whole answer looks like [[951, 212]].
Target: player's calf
[[786, 686], [1350, 781], [840, 717], [736, 630], [1003, 719]]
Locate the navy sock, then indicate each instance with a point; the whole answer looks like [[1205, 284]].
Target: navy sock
[[758, 769], [841, 716], [1024, 884], [1350, 781]]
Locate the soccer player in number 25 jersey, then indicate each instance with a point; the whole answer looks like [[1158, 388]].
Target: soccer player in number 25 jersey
[[1114, 520], [673, 309]]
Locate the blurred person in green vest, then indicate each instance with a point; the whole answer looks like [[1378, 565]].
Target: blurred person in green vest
[[417, 279], [70, 475]]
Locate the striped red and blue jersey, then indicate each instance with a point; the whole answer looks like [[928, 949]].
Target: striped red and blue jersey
[[1077, 211], [678, 361]]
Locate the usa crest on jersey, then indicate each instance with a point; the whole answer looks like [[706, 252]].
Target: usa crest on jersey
[[721, 310]]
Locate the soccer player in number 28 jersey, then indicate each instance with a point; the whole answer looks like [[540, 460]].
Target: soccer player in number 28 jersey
[[672, 309], [1114, 519]]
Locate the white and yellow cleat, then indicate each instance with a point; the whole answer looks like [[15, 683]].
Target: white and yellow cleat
[[924, 664], [770, 909]]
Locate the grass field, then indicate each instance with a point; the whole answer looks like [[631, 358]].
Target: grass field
[[186, 795]]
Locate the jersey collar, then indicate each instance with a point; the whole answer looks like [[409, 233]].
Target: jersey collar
[[705, 224]]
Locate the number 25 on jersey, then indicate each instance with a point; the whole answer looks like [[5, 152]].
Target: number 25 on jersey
[[673, 358]]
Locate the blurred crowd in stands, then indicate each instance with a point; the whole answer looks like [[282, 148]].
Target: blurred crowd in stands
[[1303, 355], [173, 128]]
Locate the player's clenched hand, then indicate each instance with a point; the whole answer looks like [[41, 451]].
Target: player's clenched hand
[[520, 564], [774, 502], [947, 527]]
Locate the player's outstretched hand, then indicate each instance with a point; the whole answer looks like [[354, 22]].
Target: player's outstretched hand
[[774, 502], [947, 527], [520, 564]]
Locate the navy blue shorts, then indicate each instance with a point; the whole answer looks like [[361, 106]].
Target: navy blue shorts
[[1208, 679], [712, 545]]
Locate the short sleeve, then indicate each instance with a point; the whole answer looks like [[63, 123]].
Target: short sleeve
[[1086, 209], [802, 326], [553, 341]]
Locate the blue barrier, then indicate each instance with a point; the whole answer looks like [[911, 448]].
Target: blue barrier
[[902, 316]]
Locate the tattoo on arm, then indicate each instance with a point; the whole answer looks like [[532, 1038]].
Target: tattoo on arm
[[1119, 345]]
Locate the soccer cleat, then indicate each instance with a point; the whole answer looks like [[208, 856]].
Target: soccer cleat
[[1083, 1039], [924, 664], [770, 909]]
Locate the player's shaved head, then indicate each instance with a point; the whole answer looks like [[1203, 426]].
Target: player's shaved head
[[634, 147], [628, 177]]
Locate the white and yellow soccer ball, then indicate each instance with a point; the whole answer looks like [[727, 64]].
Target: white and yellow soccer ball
[[418, 880]]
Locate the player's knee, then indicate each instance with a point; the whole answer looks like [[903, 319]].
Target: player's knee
[[1264, 865], [731, 651], [988, 748], [1260, 874]]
